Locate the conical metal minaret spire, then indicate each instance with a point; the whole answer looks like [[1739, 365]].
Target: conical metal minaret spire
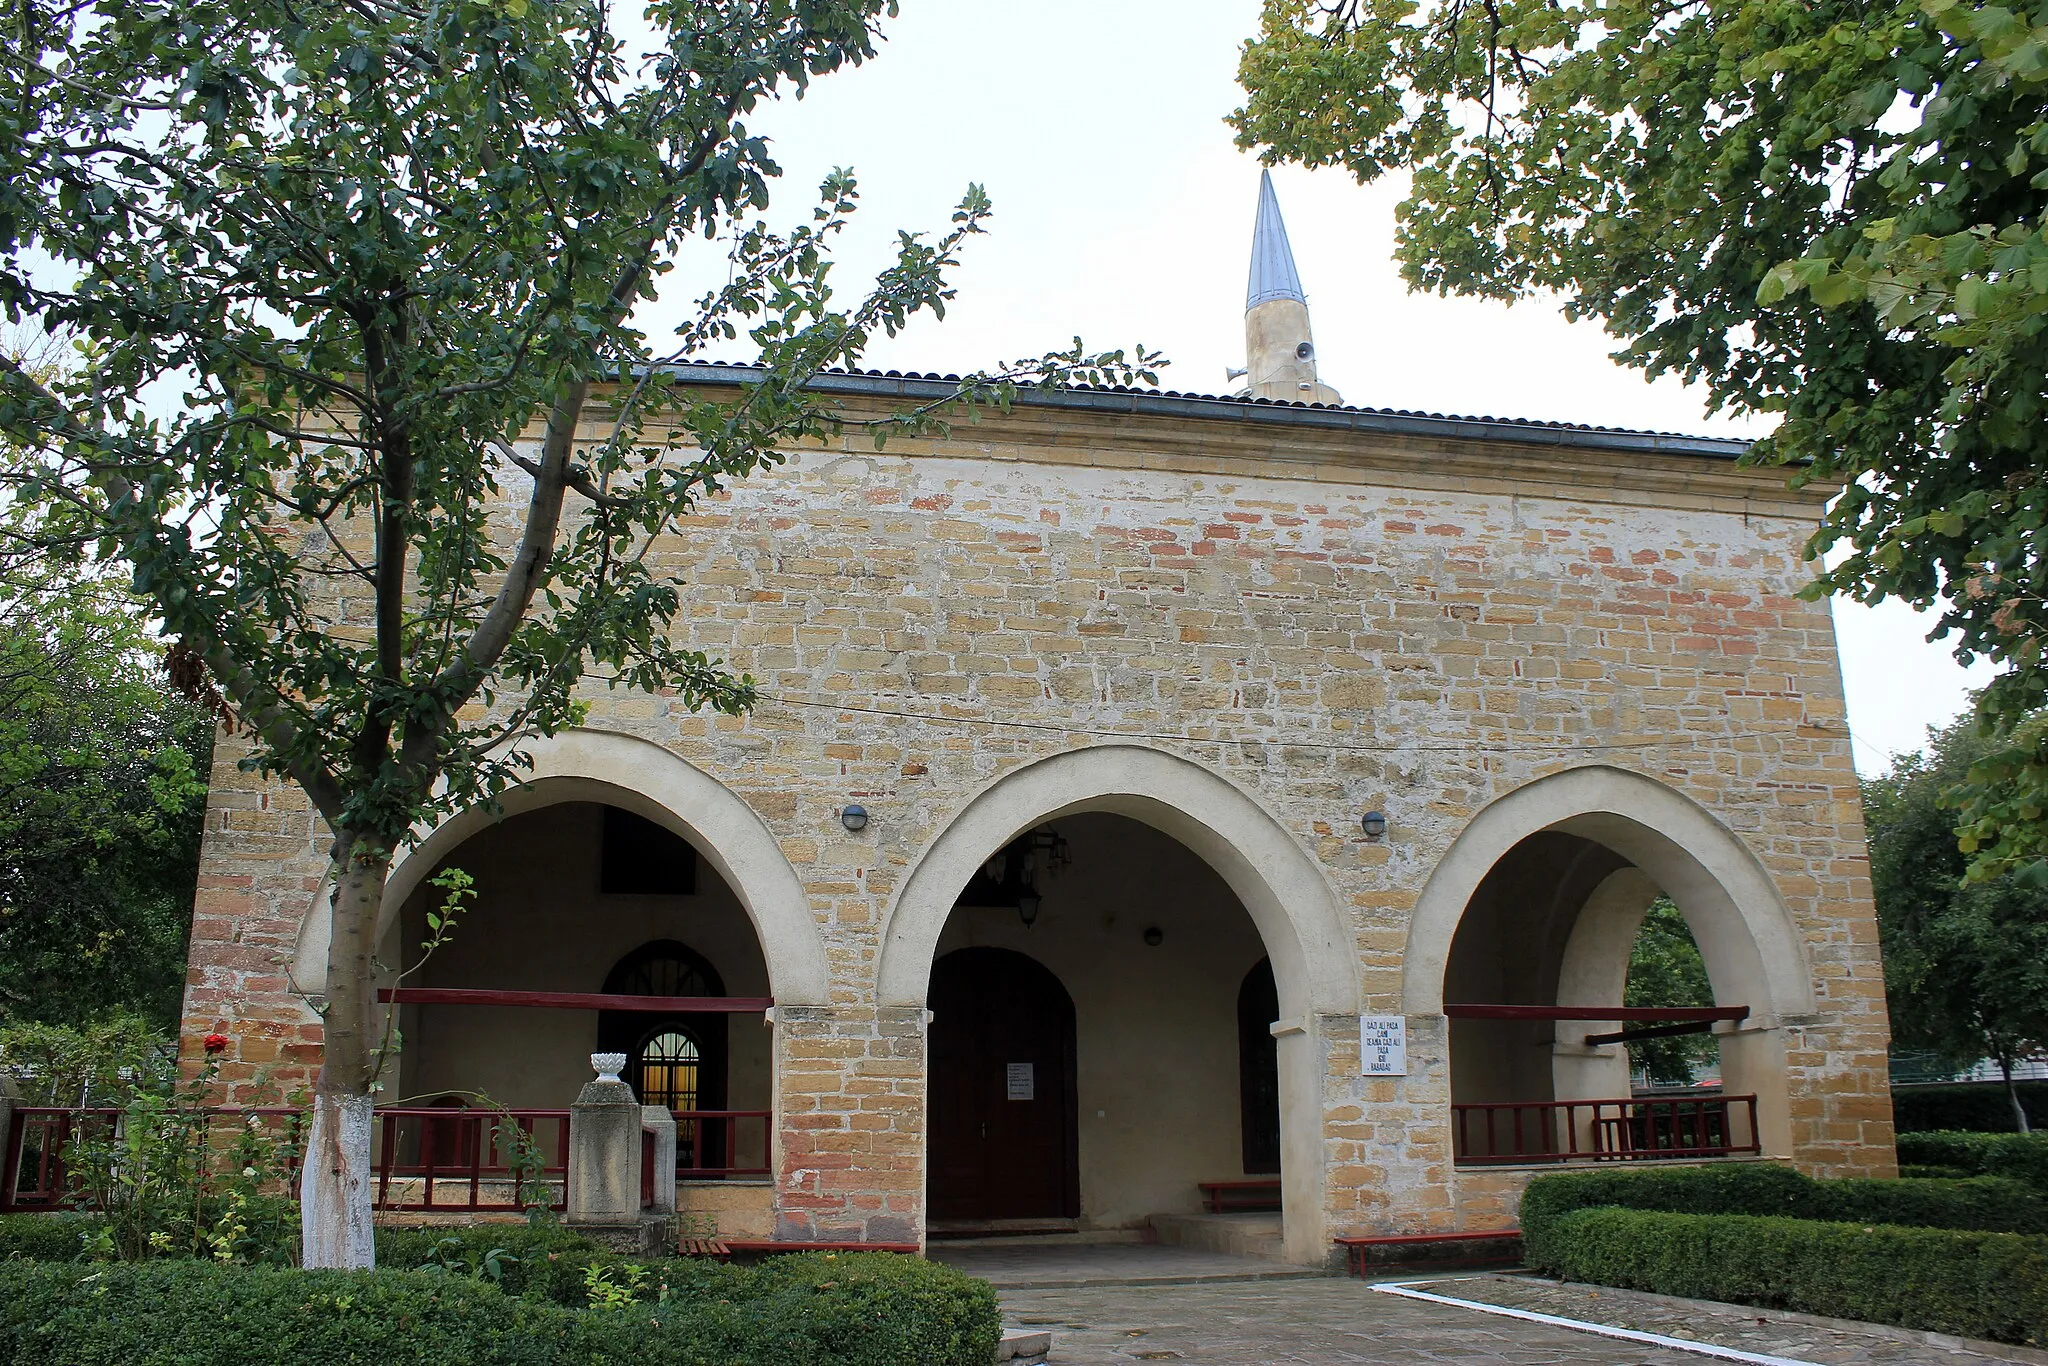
[[1280, 356], [1273, 274]]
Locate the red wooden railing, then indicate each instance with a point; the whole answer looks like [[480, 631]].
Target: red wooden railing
[[576, 1000], [1604, 1130], [429, 1158], [32, 1161], [32, 1175], [436, 1158], [695, 1126]]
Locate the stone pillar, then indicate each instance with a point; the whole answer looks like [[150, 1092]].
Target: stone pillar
[[604, 1148], [1302, 1165], [1582, 1071], [656, 1120], [850, 1110]]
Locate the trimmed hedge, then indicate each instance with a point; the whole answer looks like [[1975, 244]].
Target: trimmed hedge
[[1973, 1106], [862, 1309], [551, 1259], [1991, 1204], [44, 1237], [2023, 1157], [1979, 1285], [545, 1263]]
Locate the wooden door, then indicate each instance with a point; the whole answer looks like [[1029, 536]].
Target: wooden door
[[1002, 1142], [1258, 1070]]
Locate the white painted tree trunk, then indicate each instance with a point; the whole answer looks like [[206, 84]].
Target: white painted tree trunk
[[334, 1184]]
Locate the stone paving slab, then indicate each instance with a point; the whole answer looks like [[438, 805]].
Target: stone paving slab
[[1324, 1321], [1328, 1321], [1768, 1332]]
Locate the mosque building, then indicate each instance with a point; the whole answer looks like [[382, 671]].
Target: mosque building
[[1223, 819]]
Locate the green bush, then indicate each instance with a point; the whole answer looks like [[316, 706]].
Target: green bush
[[1989, 1204], [547, 1259], [45, 1237], [102, 1063], [1973, 1106], [545, 1262], [1921, 1172], [2024, 1157], [1980, 1285], [862, 1309]]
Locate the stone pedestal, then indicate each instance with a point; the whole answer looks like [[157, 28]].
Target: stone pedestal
[[604, 1151], [657, 1121]]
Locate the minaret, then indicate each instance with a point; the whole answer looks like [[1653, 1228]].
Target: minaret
[[1280, 357]]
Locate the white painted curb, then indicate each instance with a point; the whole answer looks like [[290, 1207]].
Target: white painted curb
[[1406, 1290]]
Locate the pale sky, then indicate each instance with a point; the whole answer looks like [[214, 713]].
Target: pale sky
[[1124, 214]]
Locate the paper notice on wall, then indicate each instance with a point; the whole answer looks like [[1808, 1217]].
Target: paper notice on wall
[[1383, 1045], [1023, 1081]]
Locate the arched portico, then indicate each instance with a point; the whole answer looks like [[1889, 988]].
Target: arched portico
[[688, 871], [1753, 950], [1279, 884], [650, 781]]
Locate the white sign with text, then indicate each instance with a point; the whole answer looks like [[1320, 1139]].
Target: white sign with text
[[1383, 1045]]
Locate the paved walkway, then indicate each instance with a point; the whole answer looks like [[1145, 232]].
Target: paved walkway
[[1211, 1310], [1321, 1322]]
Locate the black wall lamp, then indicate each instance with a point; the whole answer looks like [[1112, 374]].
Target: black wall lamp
[[1375, 825], [854, 817]]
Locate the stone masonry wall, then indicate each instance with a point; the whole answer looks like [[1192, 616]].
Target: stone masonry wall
[[1332, 621]]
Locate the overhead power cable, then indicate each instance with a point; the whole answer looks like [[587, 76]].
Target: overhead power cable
[[1389, 747]]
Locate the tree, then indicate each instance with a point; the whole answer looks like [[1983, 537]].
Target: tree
[[102, 794], [1665, 969], [1827, 210], [385, 257], [1965, 963]]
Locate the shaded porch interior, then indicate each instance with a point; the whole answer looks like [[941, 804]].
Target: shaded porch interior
[[576, 897], [1091, 1070], [1538, 1071]]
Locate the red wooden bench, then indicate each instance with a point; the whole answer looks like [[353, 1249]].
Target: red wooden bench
[[1243, 1197], [1360, 1252]]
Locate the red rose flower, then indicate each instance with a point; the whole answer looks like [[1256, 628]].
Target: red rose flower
[[215, 1043]]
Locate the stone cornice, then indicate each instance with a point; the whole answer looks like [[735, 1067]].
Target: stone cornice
[[1233, 439]]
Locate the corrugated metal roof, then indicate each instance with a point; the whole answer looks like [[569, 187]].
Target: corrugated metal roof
[[1218, 407], [1273, 275]]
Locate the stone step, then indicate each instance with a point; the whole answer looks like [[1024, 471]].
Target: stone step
[[1079, 1238], [1244, 1235], [1023, 1347]]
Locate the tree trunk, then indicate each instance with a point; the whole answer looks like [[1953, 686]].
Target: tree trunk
[[336, 1181], [2012, 1094]]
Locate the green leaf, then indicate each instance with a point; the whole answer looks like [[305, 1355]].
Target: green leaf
[[1775, 284], [1971, 294], [1832, 290]]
